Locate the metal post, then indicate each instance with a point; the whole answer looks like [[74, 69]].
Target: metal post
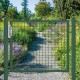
[[5, 49], [73, 49]]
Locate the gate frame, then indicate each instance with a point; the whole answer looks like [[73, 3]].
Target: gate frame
[[73, 49], [6, 49], [67, 46]]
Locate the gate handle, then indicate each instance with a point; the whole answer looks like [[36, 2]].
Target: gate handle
[[9, 31]]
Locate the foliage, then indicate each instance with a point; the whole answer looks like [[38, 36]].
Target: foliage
[[22, 17], [12, 13], [53, 15], [1, 32], [42, 0], [60, 53], [67, 8], [4, 5], [1, 62], [24, 36], [32, 16], [43, 9], [19, 55], [1, 15], [42, 26], [25, 13], [27, 36]]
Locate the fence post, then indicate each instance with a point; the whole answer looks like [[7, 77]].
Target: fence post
[[73, 49], [5, 49]]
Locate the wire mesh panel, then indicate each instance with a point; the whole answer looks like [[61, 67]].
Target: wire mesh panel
[[1, 47], [77, 50], [38, 46]]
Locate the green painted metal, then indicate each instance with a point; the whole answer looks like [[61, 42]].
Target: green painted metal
[[40, 21], [67, 57], [26, 70], [5, 49], [73, 49]]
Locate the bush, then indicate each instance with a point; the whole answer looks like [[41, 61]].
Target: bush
[[24, 36], [42, 26], [1, 40], [1, 35], [1, 62]]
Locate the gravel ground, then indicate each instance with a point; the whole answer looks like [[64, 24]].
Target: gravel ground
[[39, 56], [38, 76]]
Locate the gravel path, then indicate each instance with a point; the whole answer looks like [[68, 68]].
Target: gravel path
[[40, 56]]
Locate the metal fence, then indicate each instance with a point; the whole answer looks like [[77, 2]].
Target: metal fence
[[41, 42], [39, 48], [77, 49], [1, 46], [43, 52]]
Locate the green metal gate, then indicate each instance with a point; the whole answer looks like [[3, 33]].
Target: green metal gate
[[35, 46]]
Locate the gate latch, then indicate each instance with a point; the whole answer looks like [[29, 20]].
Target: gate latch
[[9, 31]]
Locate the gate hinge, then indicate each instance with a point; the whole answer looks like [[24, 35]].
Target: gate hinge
[[9, 31]]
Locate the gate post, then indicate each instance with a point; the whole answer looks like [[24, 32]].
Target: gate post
[[5, 49], [73, 49]]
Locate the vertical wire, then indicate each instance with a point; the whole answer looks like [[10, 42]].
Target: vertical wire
[[65, 38]]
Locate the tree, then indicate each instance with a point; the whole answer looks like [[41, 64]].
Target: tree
[[43, 9], [25, 12], [67, 8], [32, 16], [0, 4], [12, 13], [1, 15], [4, 6], [76, 6], [42, 0], [27, 15]]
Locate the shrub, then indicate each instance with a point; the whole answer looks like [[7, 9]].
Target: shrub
[[1, 62], [24, 36], [59, 52], [1, 35], [42, 26]]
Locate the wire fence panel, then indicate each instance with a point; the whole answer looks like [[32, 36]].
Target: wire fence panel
[[40, 50], [78, 50], [1, 47], [39, 42]]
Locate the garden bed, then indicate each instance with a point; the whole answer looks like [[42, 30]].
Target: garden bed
[[22, 39]]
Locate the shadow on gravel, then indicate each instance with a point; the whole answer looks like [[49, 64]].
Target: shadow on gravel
[[33, 48], [35, 45], [28, 58], [25, 63]]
